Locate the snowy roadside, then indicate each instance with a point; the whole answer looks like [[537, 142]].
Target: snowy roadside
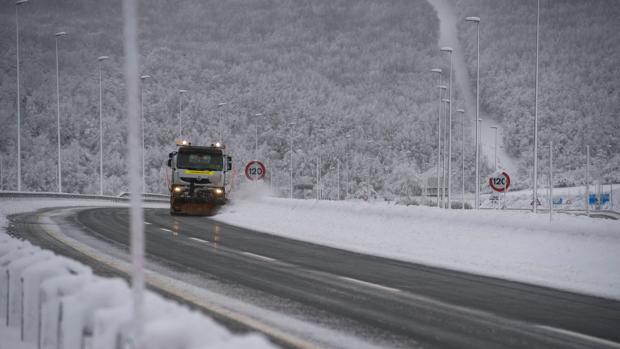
[[578, 254], [92, 305]]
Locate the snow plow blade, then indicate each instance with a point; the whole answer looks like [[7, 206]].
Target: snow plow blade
[[193, 208]]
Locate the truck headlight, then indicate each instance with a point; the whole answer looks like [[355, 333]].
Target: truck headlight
[[177, 189], [218, 191]]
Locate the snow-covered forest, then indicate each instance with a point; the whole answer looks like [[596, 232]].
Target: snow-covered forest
[[353, 76], [579, 97]]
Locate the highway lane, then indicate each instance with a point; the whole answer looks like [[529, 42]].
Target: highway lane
[[430, 306]]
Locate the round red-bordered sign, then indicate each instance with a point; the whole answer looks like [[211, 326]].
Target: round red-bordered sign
[[499, 182], [255, 170]]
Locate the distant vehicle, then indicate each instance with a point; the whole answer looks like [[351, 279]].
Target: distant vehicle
[[199, 182]]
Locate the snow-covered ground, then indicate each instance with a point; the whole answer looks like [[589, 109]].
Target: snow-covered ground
[[97, 306], [580, 254], [566, 198]]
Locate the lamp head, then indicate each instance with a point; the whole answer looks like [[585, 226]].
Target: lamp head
[[473, 19], [102, 58], [446, 49]]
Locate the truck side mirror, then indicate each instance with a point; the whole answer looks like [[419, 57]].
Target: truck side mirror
[[169, 162], [229, 163], [170, 155]]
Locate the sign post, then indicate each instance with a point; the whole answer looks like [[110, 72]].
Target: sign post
[[255, 170], [500, 182]]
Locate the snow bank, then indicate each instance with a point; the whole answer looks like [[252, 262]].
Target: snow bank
[[580, 254], [55, 302], [49, 301]]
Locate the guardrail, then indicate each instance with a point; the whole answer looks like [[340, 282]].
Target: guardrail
[[145, 198], [609, 214], [53, 302]]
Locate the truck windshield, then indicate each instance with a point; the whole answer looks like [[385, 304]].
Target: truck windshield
[[200, 161]]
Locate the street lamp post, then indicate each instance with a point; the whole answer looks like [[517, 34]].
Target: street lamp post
[[495, 154], [462, 111], [440, 174], [370, 142], [59, 166], [142, 79], [257, 115], [550, 181], [587, 199], [348, 163], [291, 125], [1, 175], [19, 145], [181, 92], [100, 59], [536, 110], [446, 177], [450, 51], [338, 175], [219, 108], [477, 21], [438, 71]]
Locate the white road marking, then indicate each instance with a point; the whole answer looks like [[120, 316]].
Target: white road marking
[[168, 230], [582, 336], [258, 256], [145, 222], [370, 284], [200, 240], [178, 288]]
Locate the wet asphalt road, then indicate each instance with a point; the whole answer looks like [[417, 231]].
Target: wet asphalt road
[[431, 307]]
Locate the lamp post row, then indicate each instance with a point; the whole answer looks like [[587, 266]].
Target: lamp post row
[[449, 103]]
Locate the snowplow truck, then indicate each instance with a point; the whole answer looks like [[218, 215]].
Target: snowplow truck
[[199, 180]]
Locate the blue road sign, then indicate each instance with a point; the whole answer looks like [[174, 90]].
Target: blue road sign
[[592, 199]]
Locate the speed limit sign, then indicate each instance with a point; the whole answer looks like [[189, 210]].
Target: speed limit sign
[[499, 181], [255, 170]]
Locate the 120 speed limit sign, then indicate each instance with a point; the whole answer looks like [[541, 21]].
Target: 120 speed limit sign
[[255, 170], [499, 181]]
